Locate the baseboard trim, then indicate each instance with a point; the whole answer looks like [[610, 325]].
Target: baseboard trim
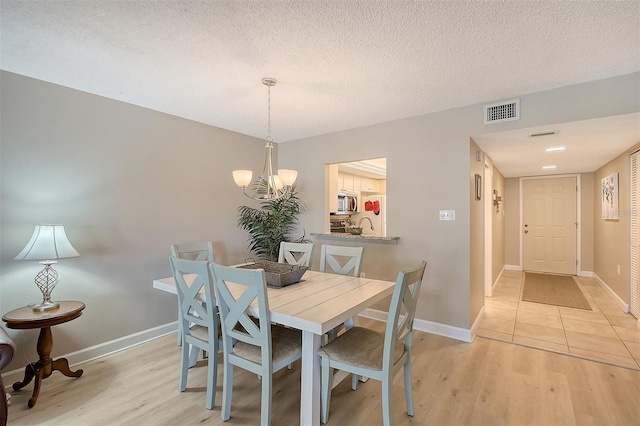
[[103, 349], [476, 323], [618, 301], [513, 267], [495, 283], [427, 326], [587, 274]]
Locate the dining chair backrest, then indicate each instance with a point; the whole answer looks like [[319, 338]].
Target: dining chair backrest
[[191, 294], [296, 253], [249, 339], [236, 323], [198, 323], [402, 312], [193, 251], [341, 260]]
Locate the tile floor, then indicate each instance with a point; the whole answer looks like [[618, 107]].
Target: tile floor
[[605, 334]]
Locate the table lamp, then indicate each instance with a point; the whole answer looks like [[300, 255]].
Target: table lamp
[[48, 242]]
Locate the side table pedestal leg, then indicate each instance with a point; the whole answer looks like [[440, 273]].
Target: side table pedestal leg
[[62, 365], [36, 388], [29, 372]]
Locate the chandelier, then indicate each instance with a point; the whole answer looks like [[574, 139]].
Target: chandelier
[[269, 186]]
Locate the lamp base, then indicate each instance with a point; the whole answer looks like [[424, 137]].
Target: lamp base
[[45, 306]]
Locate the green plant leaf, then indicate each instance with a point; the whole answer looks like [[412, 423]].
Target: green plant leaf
[[271, 224]]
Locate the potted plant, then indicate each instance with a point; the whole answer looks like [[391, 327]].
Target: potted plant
[[271, 224]]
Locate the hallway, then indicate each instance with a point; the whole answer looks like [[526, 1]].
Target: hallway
[[605, 334]]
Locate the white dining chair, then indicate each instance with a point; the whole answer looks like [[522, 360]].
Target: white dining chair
[[365, 352], [200, 322], [343, 261], [296, 253], [251, 343], [191, 251]]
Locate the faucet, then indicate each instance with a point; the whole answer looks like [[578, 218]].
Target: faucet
[[370, 223]]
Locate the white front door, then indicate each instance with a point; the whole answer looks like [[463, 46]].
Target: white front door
[[550, 225]]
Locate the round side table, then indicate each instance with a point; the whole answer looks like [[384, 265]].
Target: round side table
[[27, 318]]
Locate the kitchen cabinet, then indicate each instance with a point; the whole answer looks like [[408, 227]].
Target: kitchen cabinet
[[356, 184], [369, 185], [345, 183]]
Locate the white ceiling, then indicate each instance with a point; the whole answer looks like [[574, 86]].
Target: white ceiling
[[339, 64], [589, 145]]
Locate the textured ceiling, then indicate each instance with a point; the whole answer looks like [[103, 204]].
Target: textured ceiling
[[339, 64], [588, 146]]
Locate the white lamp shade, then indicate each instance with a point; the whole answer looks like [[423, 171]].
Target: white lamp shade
[[278, 183], [48, 242], [287, 177], [242, 177]]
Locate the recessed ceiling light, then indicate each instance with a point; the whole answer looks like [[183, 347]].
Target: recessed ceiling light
[[548, 167], [555, 148], [549, 133]]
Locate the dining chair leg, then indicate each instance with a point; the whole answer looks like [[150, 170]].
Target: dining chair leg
[[227, 391], [407, 387], [265, 408], [387, 401], [184, 368], [212, 373], [325, 390], [179, 325]]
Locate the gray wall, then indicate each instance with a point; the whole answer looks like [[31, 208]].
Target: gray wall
[[127, 182], [428, 160]]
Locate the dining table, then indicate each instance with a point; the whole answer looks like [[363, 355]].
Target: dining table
[[315, 305]]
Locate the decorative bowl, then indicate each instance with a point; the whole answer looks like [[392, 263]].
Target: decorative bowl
[[354, 230]]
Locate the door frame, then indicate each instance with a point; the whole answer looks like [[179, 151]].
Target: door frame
[[488, 227], [578, 217]]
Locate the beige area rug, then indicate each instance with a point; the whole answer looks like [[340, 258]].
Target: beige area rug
[[558, 290]]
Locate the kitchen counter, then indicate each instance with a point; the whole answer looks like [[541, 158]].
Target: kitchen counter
[[364, 237]]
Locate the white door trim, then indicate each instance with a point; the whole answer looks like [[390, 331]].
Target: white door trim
[[578, 216], [634, 230], [488, 227]]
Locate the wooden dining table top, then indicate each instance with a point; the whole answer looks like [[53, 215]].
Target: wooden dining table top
[[318, 303]]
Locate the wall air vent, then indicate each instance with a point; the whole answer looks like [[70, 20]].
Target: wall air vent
[[503, 111]]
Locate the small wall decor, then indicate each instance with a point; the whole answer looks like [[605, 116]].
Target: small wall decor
[[478, 187], [610, 196], [496, 200]]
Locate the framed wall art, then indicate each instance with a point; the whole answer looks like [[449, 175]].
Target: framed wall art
[[478, 187], [610, 196]]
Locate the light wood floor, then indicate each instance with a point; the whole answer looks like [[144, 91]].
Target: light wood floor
[[605, 333], [454, 383]]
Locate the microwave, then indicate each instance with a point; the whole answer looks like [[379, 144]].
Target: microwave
[[347, 203]]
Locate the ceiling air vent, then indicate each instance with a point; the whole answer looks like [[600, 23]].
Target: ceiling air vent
[[503, 111]]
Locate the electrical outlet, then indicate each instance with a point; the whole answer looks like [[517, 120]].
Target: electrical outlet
[[618, 269], [447, 215]]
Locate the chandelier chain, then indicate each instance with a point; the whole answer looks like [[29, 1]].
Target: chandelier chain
[[269, 119]]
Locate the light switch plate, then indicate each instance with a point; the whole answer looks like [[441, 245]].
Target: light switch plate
[[447, 215]]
